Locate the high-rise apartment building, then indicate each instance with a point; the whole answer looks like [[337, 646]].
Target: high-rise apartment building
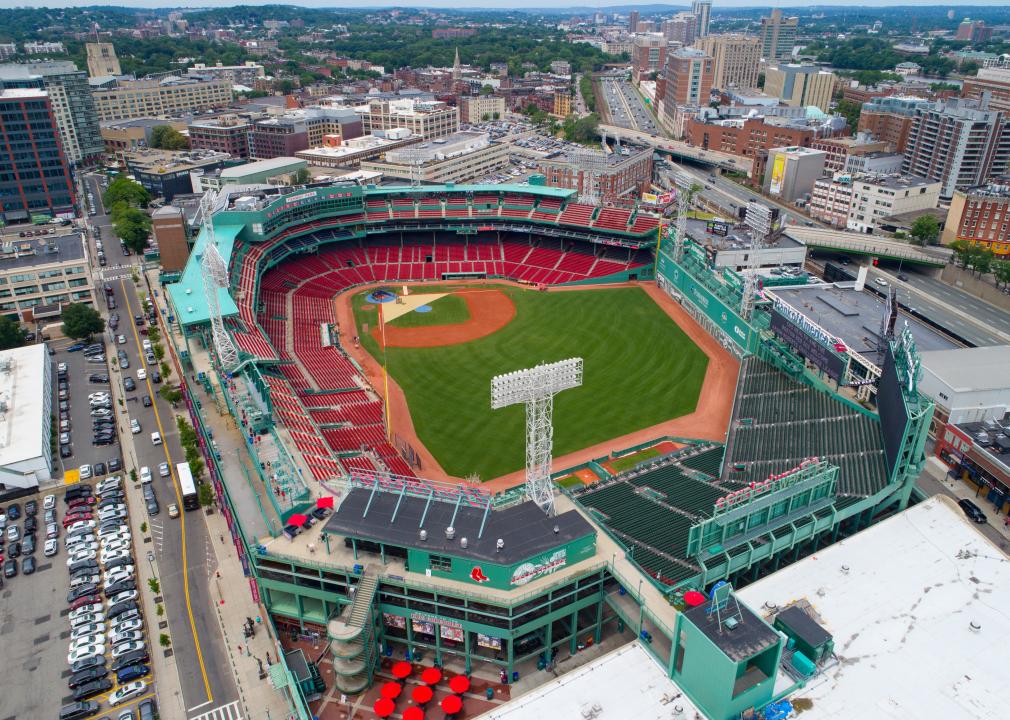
[[961, 143], [702, 11], [890, 119], [681, 28], [800, 85], [478, 108], [994, 79], [71, 101], [736, 59], [34, 173], [688, 75], [102, 60], [429, 119], [778, 36], [633, 17]]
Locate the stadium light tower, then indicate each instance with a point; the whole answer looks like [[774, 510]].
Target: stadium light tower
[[535, 388], [215, 276]]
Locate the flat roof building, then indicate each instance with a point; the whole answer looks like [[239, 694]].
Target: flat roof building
[[736, 59], [979, 216], [40, 275], [351, 152], [275, 171], [167, 173], [26, 395], [429, 119], [456, 158], [801, 85], [172, 95]]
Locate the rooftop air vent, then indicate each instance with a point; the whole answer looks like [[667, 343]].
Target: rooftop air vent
[[450, 532], [462, 543], [424, 535], [730, 623], [499, 545]]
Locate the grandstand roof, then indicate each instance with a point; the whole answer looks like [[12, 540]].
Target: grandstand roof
[[434, 189], [887, 610], [187, 295], [855, 317]]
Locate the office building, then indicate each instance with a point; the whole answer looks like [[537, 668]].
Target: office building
[[124, 135], [34, 173], [961, 143], [171, 233], [38, 276], [8, 50], [429, 119], [26, 427], [337, 153], [736, 59], [973, 31], [890, 119], [246, 74], [702, 11], [633, 18], [297, 130], [841, 149], [457, 158], [167, 173], [477, 108], [227, 134], [680, 29], [778, 36], [648, 55], [688, 76], [875, 197], [879, 163], [172, 95], [600, 178], [70, 98], [792, 171], [801, 85], [44, 48], [102, 60], [981, 215], [275, 171], [562, 104], [831, 199], [993, 79]]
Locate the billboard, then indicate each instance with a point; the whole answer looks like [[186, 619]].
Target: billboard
[[658, 200], [716, 227], [803, 342], [893, 413], [778, 174]]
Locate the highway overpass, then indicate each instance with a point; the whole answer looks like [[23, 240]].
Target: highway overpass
[[681, 150], [871, 245]]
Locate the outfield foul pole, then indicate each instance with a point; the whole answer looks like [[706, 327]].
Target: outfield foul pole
[[535, 388]]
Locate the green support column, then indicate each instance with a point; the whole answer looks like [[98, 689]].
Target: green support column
[[834, 533], [438, 646], [510, 658], [382, 552], [598, 633], [574, 644], [466, 650], [548, 636], [354, 548], [410, 638], [301, 612], [778, 561]]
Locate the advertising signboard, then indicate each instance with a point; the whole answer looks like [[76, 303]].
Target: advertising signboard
[[807, 345], [778, 175]]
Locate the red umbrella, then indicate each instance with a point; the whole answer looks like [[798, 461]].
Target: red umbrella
[[413, 713], [297, 519], [693, 598], [421, 694], [431, 676], [392, 690], [383, 707], [402, 669], [325, 502], [452, 704], [459, 684]]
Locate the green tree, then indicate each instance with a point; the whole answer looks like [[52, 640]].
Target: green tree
[[925, 230], [1001, 271], [983, 261], [850, 111], [588, 94], [167, 137], [206, 494], [301, 176], [170, 394], [962, 252], [486, 116], [81, 321], [124, 190], [132, 226], [164, 640], [166, 370], [486, 90], [11, 333], [154, 585], [584, 130]]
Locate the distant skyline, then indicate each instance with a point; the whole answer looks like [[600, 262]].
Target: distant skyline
[[490, 4]]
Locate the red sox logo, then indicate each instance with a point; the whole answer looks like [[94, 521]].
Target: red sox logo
[[477, 575]]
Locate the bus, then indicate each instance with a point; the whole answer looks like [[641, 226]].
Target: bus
[[190, 500]]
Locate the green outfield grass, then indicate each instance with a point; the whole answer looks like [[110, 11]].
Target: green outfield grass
[[640, 369], [447, 310]]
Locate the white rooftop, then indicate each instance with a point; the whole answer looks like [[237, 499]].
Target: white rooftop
[[899, 599], [623, 684], [970, 369], [21, 390]]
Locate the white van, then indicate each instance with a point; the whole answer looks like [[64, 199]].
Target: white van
[[156, 438]]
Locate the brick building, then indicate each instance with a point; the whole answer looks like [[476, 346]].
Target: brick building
[[229, 135], [688, 75], [603, 178], [981, 215], [890, 119]]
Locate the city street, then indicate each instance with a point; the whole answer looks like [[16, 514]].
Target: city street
[[181, 545]]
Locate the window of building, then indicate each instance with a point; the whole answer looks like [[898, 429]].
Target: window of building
[[440, 563]]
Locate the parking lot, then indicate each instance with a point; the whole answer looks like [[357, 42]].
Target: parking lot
[[36, 620]]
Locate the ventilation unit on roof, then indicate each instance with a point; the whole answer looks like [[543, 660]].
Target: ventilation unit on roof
[[499, 545], [450, 533], [462, 543], [424, 535]]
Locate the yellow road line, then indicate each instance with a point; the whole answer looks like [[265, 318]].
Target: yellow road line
[[178, 498]]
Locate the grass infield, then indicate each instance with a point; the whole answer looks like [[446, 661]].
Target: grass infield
[[447, 310], [640, 370]]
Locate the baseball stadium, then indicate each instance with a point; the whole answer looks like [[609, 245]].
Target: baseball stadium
[[381, 506]]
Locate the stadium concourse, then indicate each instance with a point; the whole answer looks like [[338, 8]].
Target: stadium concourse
[[401, 574]]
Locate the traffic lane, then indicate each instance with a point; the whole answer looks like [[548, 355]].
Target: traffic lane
[[196, 568], [962, 300]]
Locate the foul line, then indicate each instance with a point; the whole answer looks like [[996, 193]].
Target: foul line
[[178, 499]]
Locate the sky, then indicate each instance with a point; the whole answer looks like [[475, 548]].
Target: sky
[[491, 4]]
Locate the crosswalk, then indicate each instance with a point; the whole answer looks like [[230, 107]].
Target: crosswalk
[[231, 711]]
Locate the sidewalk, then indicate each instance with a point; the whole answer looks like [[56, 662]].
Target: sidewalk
[[997, 526]]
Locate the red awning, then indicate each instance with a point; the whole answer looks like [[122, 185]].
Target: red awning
[[421, 694], [402, 669], [693, 598], [392, 690], [413, 713], [452, 704], [459, 684], [431, 676], [383, 707], [297, 519], [325, 501]]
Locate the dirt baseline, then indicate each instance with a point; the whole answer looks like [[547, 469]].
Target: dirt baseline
[[490, 311]]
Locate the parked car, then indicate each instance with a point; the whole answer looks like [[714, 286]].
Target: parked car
[[973, 511]]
